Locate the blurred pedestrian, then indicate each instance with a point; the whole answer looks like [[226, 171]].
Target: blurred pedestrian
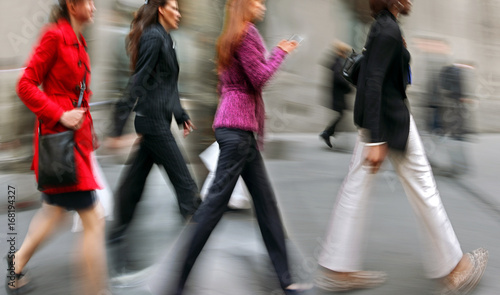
[[452, 87], [387, 128], [435, 103], [154, 96], [243, 71], [340, 87], [59, 63]]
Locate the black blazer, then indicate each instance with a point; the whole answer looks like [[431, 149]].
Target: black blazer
[[152, 91], [380, 104]]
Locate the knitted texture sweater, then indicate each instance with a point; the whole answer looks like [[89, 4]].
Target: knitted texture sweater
[[241, 105]]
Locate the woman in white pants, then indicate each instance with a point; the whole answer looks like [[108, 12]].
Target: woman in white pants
[[386, 128]]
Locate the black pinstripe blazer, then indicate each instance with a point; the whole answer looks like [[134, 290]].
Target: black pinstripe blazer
[[380, 104], [152, 91]]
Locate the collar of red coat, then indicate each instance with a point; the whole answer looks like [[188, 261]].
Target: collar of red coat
[[68, 33]]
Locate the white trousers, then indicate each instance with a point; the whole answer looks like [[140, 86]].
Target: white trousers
[[341, 250]]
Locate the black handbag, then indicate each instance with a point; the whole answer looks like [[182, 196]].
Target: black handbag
[[351, 68], [56, 156]]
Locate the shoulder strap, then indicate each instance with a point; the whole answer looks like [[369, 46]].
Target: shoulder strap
[[83, 87]]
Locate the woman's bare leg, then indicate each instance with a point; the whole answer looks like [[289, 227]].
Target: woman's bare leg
[[94, 265], [41, 226]]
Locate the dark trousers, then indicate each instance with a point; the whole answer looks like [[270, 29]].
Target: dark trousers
[[162, 150], [239, 156], [330, 129]]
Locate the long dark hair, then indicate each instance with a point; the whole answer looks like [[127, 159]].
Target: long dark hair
[[61, 10], [237, 15], [376, 6], [143, 18]]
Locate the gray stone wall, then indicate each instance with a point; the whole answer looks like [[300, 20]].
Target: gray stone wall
[[297, 95], [297, 98]]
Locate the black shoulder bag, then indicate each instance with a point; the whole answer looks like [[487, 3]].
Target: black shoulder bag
[[56, 156], [352, 64]]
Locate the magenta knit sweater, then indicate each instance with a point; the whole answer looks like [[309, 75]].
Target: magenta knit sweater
[[241, 105]]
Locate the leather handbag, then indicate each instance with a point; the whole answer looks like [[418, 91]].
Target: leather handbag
[[56, 156], [351, 68]]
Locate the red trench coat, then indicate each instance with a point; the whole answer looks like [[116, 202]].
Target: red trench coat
[[59, 64]]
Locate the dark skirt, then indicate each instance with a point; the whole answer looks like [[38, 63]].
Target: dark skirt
[[71, 201]]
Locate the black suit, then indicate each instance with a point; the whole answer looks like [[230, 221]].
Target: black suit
[[380, 103], [153, 90]]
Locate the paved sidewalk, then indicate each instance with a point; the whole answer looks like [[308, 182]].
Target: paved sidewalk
[[306, 176]]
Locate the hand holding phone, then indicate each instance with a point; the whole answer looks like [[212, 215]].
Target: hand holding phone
[[290, 44], [296, 38]]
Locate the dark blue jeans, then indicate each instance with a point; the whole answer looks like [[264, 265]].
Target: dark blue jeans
[[239, 156]]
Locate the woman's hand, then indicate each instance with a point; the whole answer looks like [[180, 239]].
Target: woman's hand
[[188, 127], [288, 46], [374, 157], [73, 119]]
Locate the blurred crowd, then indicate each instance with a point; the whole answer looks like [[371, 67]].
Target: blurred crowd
[[449, 98]]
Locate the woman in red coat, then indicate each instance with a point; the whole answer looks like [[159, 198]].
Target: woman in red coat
[[60, 63]]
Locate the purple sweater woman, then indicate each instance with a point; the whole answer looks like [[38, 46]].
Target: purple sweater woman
[[241, 105], [243, 72]]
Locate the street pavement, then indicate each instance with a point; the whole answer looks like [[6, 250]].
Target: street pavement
[[306, 176]]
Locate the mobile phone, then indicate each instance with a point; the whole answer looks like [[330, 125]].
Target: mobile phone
[[297, 38]]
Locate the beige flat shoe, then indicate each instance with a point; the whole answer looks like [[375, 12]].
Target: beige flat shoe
[[332, 281], [464, 282]]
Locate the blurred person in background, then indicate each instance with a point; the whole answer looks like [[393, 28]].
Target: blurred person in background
[[387, 128], [243, 69], [59, 63], [340, 87], [153, 95], [452, 81]]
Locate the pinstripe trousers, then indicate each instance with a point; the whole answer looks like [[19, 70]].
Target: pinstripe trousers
[[341, 250], [162, 150]]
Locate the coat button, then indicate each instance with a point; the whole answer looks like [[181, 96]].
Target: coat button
[[74, 103], [79, 63]]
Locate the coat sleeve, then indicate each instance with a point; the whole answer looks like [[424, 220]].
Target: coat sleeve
[[251, 54], [382, 52], [122, 109], [39, 65], [148, 56], [179, 113]]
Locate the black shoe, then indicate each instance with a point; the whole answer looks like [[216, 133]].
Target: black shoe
[[326, 138], [15, 283]]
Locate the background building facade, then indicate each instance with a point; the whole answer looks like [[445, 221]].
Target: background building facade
[[438, 33]]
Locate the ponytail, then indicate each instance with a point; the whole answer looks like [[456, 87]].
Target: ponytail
[[143, 18]]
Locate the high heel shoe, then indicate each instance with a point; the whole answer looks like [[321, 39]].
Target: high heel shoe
[[15, 283]]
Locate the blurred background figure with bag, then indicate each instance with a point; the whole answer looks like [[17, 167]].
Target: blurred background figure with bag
[[340, 88]]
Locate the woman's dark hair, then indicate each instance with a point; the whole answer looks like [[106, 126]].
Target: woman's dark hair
[[237, 15], [376, 6], [143, 18], [61, 10]]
